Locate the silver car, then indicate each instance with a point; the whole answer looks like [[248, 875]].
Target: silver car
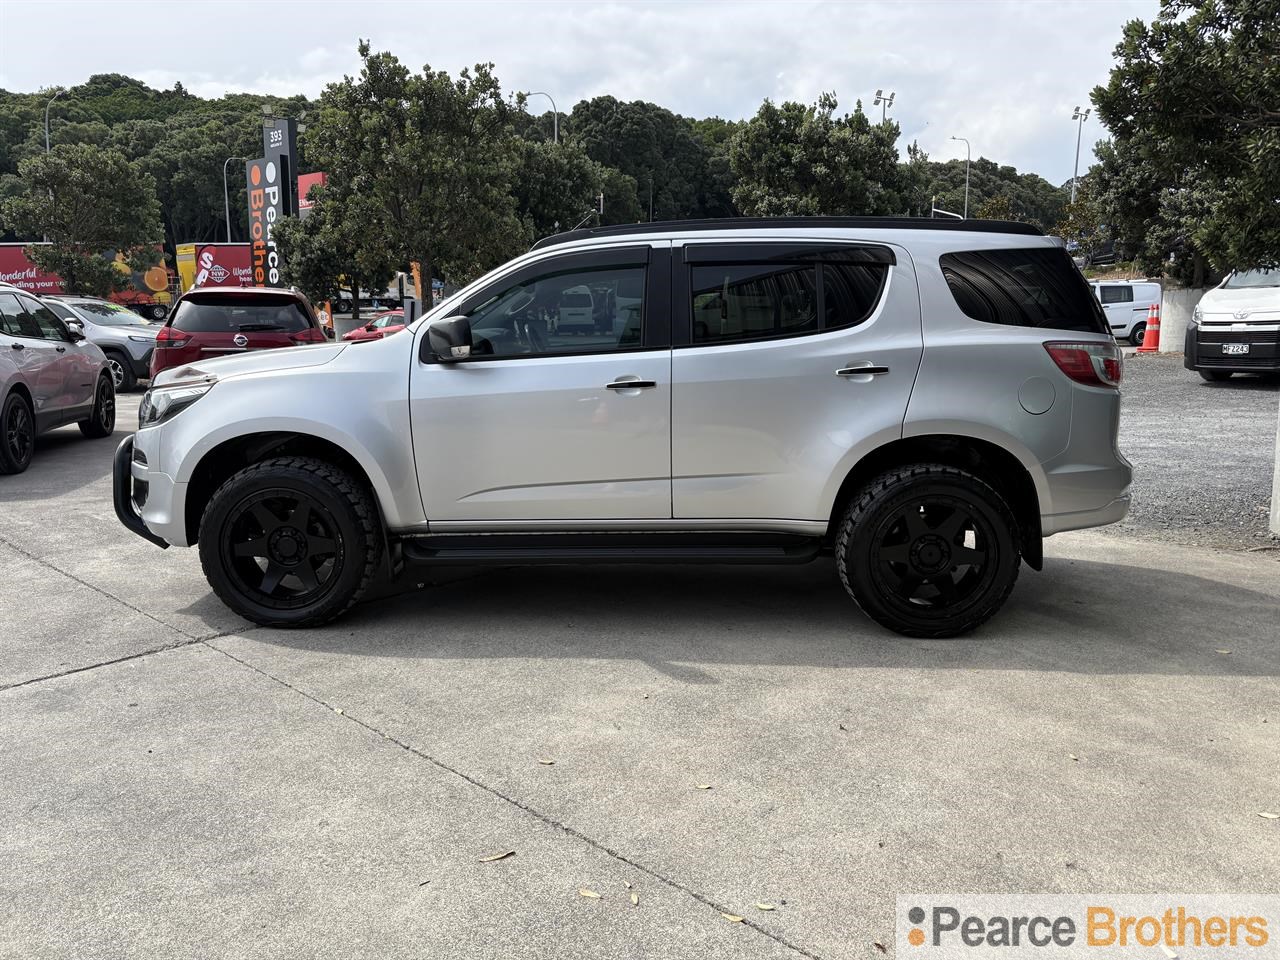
[[924, 401], [124, 337], [49, 376]]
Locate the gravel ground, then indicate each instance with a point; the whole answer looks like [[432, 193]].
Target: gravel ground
[[1202, 454]]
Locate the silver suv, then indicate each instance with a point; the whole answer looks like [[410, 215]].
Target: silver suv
[[924, 400], [49, 376], [124, 337]]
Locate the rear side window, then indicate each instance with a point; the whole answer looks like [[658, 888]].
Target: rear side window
[[1117, 294], [228, 315], [1030, 287]]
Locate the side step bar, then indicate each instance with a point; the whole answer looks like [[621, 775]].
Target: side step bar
[[518, 549]]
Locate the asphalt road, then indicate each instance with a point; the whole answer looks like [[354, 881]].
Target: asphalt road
[[1203, 454], [180, 784]]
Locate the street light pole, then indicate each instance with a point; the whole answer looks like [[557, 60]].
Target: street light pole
[[883, 102], [555, 115], [966, 175], [226, 197], [1080, 118], [46, 119]]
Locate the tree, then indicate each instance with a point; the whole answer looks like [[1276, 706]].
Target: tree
[[87, 200], [1193, 107], [323, 253], [1083, 222], [432, 155], [556, 186], [803, 160]]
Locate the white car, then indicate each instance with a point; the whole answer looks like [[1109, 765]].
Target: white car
[[1127, 303], [1236, 327]]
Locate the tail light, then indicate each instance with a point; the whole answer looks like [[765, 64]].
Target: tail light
[[170, 339], [1093, 364], [309, 335]]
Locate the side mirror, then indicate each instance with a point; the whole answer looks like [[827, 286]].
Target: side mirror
[[450, 338], [76, 333]]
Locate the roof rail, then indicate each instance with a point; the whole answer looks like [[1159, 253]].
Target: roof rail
[[732, 223]]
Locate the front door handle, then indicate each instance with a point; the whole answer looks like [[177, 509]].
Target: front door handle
[[632, 384], [19, 346], [61, 349], [863, 369]]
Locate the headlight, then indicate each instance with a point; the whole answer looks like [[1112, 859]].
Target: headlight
[[1196, 314], [142, 339], [161, 403]]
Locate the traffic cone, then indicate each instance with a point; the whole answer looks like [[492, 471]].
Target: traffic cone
[[1151, 335]]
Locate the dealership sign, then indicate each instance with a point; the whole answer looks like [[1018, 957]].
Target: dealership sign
[[267, 204]]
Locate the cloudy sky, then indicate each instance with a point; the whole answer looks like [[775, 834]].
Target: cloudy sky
[[1004, 74]]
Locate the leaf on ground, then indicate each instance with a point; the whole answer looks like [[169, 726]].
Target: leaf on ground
[[635, 899], [337, 710], [702, 786], [497, 856], [589, 894], [881, 947], [1222, 651], [765, 906], [1268, 815], [1168, 953], [627, 884], [545, 762], [732, 917], [1073, 757]]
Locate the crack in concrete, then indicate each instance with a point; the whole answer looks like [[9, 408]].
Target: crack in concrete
[[521, 805]]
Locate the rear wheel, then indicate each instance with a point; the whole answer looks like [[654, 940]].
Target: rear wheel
[[1215, 376], [17, 434], [290, 542], [102, 421], [928, 551], [158, 311], [1137, 333]]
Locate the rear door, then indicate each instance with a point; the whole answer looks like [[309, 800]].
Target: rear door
[[1117, 304], [792, 357], [35, 358]]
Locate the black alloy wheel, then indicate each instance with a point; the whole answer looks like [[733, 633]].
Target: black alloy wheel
[[282, 548], [928, 550], [19, 435]]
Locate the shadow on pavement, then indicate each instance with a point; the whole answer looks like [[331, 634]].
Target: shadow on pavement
[[1076, 617]]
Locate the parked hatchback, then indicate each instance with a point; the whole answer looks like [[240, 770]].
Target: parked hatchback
[[922, 400], [223, 321], [49, 376], [122, 335]]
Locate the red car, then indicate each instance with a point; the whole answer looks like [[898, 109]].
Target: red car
[[223, 321], [383, 325]]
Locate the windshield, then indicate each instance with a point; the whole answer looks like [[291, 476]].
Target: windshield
[[108, 314], [1245, 279]]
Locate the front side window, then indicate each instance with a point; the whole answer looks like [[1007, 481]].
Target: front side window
[[1027, 287], [15, 321], [51, 327], [575, 311]]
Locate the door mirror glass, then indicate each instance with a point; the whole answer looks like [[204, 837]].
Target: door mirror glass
[[450, 339]]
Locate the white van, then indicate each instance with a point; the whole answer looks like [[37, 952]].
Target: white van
[[1126, 304]]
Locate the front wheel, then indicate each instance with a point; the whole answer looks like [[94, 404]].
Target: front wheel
[[102, 420], [121, 372], [928, 551], [290, 542]]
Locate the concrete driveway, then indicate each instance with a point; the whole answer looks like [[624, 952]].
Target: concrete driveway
[[179, 784]]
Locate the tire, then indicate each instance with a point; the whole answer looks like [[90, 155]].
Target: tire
[[1136, 334], [899, 537], [158, 312], [17, 434], [343, 306], [102, 421], [1214, 376], [279, 570], [121, 371]]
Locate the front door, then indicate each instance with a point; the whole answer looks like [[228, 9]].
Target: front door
[[552, 420], [797, 358], [76, 371], [36, 359]]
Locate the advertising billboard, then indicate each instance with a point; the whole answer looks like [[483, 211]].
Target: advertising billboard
[[280, 145], [214, 265], [267, 204], [305, 182]]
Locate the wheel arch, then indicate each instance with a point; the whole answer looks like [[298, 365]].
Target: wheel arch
[[21, 389], [986, 459]]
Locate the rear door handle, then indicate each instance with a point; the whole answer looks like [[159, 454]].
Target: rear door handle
[[857, 371], [19, 346], [633, 384], [61, 349]]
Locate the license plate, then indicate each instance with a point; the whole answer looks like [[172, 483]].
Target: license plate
[[1235, 348]]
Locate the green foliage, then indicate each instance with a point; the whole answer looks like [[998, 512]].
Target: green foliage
[[86, 199], [1192, 173], [556, 186], [432, 155], [803, 160], [1026, 196], [1084, 221]]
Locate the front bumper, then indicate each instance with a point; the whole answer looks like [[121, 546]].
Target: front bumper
[[130, 497], [1205, 348], [142, 365]]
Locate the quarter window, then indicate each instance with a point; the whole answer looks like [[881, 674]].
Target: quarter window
[[576, 311], [1028, 287]]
